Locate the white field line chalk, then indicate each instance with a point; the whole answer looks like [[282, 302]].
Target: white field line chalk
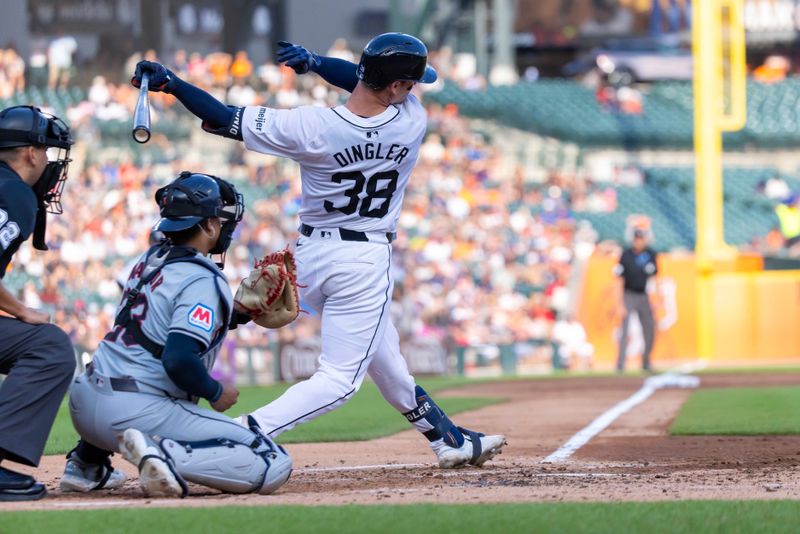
[[92, 504], [358, 468], [669, 379]]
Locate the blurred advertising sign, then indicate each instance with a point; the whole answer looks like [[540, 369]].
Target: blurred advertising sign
[[84, 16], [198, 17], [208, 17], [772, 20], [425, 356], [299, 359]]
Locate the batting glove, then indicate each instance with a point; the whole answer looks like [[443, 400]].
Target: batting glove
[[161, 79], [297, 57]]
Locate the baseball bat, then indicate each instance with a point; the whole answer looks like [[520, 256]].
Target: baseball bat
[[141, 117]]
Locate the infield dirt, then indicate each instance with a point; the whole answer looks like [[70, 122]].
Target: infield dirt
[[633, 459]]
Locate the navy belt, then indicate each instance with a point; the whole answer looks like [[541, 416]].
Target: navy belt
[[117, 384], [346, 235]]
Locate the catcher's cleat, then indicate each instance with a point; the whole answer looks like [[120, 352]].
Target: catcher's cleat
[[83, 477], [157, 476], [476, 450]]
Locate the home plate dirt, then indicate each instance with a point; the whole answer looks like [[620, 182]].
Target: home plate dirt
[[632, 459]]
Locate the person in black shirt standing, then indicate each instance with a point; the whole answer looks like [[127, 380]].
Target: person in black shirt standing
[[636, 265], [36, 355]]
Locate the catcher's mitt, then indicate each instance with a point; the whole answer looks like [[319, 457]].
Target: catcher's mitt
[[269, 293]]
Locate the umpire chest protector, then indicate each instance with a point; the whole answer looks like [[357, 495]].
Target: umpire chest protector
[[158, 257]]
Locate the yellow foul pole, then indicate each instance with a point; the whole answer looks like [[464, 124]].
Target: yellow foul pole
[[719, 104]]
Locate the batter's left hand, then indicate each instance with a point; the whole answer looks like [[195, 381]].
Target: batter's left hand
[[300, 59], [161, 79]]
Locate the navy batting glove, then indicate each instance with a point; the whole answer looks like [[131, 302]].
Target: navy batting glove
[[161, 79], [297, 57]]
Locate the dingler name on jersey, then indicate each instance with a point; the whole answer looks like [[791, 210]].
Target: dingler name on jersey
[[369, 151]]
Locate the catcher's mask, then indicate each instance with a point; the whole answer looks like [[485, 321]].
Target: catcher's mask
[[394, 56], [193, 197], [29, 126]]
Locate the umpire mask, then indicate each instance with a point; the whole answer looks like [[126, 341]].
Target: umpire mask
[[29, 126]]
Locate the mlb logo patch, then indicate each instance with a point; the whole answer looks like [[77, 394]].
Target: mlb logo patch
[[202, 317]]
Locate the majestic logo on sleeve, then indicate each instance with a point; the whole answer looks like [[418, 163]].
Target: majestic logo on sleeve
[[202, 317]]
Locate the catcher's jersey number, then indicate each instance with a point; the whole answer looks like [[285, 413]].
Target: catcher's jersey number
[[373, 192]]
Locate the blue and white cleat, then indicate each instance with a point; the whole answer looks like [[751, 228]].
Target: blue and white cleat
[[476, 450]]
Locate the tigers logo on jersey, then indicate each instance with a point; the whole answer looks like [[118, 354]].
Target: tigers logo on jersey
[[202, 317]]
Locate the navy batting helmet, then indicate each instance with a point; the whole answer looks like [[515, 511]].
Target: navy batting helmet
[[394, 56], [194, 197]]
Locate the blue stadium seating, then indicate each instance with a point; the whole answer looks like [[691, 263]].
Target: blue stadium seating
[[568, 111], [668, 197]]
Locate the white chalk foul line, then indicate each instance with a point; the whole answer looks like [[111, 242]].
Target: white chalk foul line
[[358, 468], [670, 379], [92, 504]]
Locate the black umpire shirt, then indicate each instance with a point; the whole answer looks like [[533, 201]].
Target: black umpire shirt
[[635, 268], [18, 208]]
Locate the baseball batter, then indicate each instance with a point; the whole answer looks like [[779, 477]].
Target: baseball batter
[[355, 162], [139, 394]]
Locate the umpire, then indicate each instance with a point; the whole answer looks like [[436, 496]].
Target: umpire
[[36, 355], [636, 265]]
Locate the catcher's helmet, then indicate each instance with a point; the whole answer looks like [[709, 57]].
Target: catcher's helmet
[[194, 197], [27, 125], [394, 56]]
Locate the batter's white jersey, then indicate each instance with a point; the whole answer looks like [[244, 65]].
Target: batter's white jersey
[[354, 170]]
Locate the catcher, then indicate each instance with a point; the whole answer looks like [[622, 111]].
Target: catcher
[[138, 396]]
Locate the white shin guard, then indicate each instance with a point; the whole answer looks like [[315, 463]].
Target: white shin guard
[[230, 467]]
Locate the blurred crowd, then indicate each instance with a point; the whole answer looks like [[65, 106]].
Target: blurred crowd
[[12, 73], [483, 255]]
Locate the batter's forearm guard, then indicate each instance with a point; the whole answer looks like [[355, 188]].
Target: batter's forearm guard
[[443, 427], [233, 130]]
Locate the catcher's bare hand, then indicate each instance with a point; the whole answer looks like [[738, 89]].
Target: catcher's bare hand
[[228, 398]]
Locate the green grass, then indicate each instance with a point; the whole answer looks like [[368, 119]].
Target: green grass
[[740, 411], [729, 517], [366, 416], [756, 370]]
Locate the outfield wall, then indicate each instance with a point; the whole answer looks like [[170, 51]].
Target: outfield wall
[[755, 318]]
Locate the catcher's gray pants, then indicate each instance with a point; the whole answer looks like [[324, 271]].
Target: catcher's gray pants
[[640, 304], [213, 449], [100, 414], [40, 362]]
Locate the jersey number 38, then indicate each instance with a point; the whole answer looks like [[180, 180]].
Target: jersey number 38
[[373, 192]]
